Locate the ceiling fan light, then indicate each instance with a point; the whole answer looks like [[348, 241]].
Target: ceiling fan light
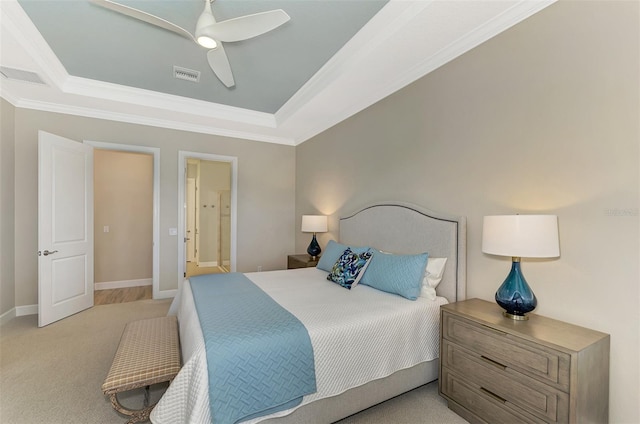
[[205, 20], [207, 42]]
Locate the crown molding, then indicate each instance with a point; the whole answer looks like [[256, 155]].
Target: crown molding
[[140, 119], [153, 99], [379, 29], [485, 31]]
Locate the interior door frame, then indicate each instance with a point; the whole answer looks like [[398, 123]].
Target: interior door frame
[[193, 235], [182, 203], [196, 163], [155, 152]]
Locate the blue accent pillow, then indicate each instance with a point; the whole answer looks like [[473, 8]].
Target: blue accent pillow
[[332, 253], [397, 274], [349, 267]]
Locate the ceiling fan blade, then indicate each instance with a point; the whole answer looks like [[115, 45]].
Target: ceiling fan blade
[[220, 65], [144, 16], [245, 27]]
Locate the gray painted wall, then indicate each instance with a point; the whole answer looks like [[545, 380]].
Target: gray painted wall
[[7, 201], [541, 119]]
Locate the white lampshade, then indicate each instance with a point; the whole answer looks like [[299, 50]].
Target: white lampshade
[[528, 236], [314, 224]]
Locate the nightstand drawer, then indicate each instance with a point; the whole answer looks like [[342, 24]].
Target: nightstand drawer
[[481, 403], [533, 360], [516, 390]]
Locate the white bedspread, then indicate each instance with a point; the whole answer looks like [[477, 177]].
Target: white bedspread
[[358, 335]]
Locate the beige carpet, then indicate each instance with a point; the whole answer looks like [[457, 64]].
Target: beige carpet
[[53, 374]]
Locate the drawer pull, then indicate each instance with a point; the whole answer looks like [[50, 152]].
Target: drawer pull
[[493, 395], [494, 363], [494, 330]]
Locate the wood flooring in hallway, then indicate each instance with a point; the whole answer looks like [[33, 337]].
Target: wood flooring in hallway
[[131, 294], [127, 294]]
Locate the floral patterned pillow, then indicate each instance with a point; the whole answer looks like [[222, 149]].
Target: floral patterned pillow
[[349, 268]]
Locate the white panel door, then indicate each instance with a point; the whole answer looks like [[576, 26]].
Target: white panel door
[[65, 227]]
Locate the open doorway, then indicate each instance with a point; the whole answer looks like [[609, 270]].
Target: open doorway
[[114, 229], [208, 209], [207, 190], [123, 226]]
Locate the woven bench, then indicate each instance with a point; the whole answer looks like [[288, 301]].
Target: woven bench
[[148, 353]]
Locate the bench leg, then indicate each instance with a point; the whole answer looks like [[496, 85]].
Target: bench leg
[[146, 396], [137, 416]]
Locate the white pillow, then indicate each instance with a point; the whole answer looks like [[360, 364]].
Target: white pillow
[[432, 277]]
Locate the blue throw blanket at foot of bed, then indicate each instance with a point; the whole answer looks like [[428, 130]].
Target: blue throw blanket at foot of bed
[[259, 355]]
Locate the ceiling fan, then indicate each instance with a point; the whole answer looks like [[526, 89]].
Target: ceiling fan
[[209, 33]]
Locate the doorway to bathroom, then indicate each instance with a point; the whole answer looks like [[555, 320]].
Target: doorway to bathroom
[[209, 214]]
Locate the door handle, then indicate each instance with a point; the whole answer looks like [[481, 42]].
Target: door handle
[[46, 252]]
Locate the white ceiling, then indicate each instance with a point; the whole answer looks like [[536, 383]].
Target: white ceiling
[[286, 91]]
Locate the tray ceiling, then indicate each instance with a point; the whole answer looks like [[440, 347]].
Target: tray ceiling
[[331, 60]]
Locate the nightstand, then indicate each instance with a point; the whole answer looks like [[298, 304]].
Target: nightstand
[[497, 370], [300, 261]]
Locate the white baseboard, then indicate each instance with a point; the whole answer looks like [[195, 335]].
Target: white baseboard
[[166, 294], [8, 316], [18, 311], [107, 285], [26, 310], [206, 264]]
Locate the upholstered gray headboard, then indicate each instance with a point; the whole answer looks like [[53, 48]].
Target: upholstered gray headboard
[[404, 228]]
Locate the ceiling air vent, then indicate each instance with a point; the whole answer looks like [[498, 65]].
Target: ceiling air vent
[[20, 75], [186, 74]]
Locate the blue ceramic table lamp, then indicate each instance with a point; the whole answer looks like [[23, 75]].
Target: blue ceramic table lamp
[[314, 224], [518, 236]]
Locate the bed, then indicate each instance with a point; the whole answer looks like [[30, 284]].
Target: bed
[[407, 360]]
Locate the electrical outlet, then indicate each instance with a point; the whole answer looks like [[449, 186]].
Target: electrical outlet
[[259, 268], [105, 229]]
